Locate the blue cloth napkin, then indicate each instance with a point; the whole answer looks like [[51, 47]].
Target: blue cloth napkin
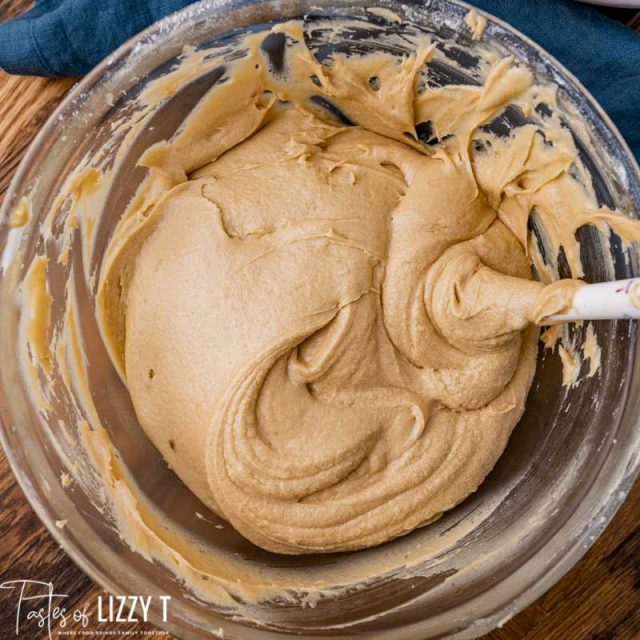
[[69, 37]]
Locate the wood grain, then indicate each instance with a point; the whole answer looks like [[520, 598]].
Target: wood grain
[[599, 599]]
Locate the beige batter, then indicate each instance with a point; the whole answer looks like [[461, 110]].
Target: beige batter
[[327, 329]]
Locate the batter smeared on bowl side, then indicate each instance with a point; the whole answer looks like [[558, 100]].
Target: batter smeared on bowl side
[[321, 301]]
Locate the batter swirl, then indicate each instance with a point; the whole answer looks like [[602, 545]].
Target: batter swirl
[[326, 323]]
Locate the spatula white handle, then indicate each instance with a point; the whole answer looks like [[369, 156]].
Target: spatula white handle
[[615, 300]]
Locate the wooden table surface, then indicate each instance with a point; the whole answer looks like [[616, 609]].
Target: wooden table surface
[[599, 599]]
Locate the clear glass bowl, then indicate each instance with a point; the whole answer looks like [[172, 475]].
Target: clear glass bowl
[[567, 468]]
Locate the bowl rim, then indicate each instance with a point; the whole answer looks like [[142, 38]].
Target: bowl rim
[[627, 470]]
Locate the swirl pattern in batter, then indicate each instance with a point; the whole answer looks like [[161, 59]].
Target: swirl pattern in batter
[[321, 299]]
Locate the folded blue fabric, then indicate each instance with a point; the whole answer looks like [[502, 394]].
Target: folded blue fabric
[[69, 37]]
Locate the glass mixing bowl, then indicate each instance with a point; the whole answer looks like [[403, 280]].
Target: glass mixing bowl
[[568, 466]]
